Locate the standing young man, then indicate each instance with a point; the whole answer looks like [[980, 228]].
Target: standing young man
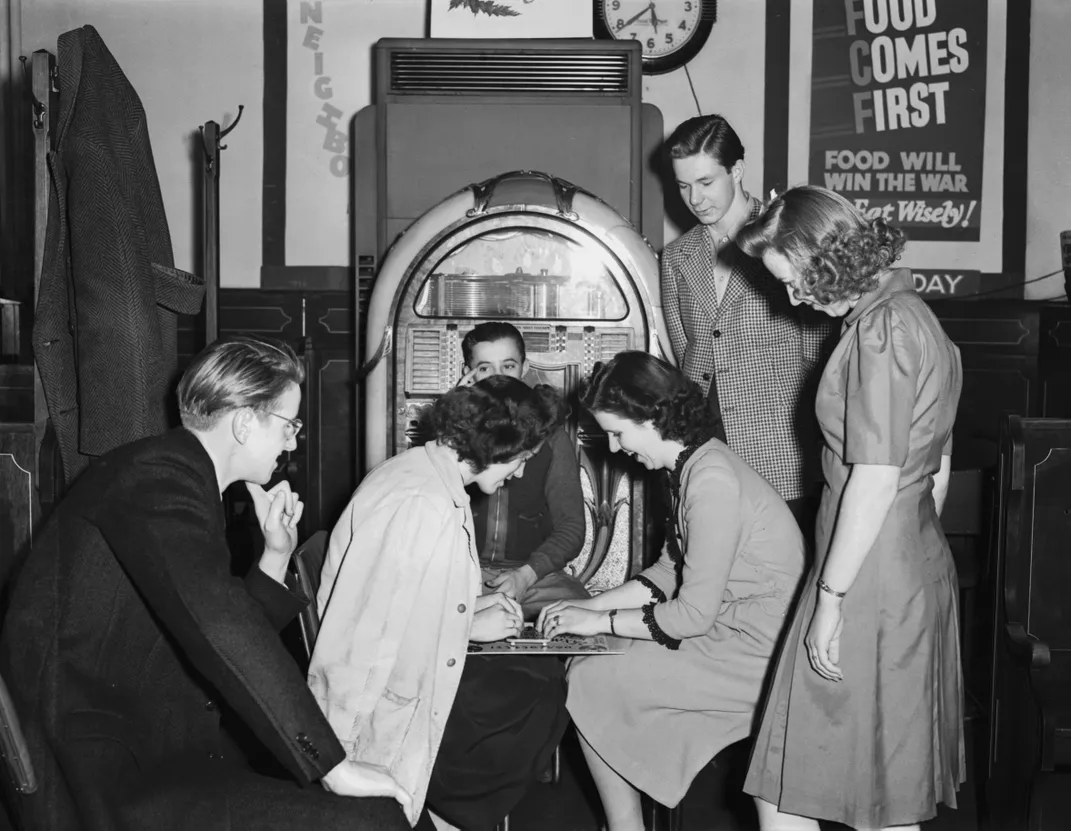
[[532, 527], [732, 327]]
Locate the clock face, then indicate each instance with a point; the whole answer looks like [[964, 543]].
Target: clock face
[[661, 26]]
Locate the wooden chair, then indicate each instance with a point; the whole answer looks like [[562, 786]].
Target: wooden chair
[[306, 565], [1028, 781], [18, 767]]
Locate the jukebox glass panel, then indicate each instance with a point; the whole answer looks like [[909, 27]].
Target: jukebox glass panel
[[522, 272]]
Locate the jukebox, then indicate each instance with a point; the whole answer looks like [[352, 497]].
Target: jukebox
[[577, 280]]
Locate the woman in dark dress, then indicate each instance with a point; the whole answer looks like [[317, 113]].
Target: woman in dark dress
[[864, 720]]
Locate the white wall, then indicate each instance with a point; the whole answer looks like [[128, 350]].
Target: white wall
[[190, 61], [1048, 210], [196, 60], [728, 76], [317, 200]]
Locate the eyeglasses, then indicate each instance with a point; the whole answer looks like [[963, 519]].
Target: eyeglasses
[[293, 425]]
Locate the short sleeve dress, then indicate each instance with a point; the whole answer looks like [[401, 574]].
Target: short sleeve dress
[[656, 714], [883, 746]]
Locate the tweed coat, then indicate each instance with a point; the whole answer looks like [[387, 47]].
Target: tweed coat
[[105, 333], [762, 352], [146, 675]]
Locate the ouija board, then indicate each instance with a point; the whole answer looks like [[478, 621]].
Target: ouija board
[[559, 645]]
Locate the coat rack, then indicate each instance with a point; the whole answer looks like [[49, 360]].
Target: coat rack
[[211, 136]]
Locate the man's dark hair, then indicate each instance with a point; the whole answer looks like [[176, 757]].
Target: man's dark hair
[[488, 333], [710, 134]]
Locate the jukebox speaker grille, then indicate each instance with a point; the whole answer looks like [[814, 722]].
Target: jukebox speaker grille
[[610, 343], [430, 71], [429, 361]]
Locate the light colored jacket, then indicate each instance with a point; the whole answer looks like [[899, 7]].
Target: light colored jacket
[[396, 601]]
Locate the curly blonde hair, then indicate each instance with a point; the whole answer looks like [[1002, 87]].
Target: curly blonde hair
[[836, 252]]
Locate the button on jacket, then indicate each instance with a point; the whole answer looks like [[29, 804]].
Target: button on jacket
[[396, 599]]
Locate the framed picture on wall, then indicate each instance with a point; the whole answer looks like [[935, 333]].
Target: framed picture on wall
[[510, 19]]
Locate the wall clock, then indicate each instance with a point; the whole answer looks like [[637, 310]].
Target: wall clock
[[671, 32]]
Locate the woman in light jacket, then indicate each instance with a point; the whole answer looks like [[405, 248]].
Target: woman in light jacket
[[400, 601]]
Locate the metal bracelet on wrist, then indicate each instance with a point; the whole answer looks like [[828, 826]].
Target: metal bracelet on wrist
[[824, 586]]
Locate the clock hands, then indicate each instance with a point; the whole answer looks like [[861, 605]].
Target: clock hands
[[635, 17], [655, 19]]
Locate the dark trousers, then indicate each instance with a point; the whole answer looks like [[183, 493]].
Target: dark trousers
[[508, 717], [173, 799]]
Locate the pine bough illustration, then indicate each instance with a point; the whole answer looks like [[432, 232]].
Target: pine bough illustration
[[488, 7]]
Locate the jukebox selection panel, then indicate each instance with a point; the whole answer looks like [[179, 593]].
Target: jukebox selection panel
[[559, 355]]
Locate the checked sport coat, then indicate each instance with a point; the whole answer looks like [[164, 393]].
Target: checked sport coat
[[763, 353]]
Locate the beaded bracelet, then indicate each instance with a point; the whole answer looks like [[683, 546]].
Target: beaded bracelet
[[824, 586]]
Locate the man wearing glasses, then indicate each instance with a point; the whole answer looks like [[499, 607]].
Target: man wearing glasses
[[140, 668]]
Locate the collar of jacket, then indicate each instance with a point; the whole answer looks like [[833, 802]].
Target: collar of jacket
[[444, 460], [696, 242], [187, 440]]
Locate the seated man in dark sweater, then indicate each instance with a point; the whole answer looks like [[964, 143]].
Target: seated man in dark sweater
[[533, 526]]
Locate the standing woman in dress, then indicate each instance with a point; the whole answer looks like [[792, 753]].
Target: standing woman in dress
[[864, 720]]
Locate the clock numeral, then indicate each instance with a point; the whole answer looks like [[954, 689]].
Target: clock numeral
[[682, 26], [669, 37], [616, 5], [650, 43], [620, 23], [635, 35], [687, 5]]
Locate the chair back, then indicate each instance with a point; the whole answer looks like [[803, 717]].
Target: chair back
[[13, 748], [1029, 772], [307, 563]]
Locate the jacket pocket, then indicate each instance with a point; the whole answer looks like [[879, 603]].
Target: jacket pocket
[[390, 725], [178, 290], [98, 743]]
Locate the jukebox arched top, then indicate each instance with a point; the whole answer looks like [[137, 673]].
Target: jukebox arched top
[[570, 272]]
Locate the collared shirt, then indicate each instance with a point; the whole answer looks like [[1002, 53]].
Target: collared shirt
[[396, 600]]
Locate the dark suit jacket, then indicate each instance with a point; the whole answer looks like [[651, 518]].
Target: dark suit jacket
[[127, 640], [105, 331]]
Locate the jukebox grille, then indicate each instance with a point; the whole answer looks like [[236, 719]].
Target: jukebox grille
[[610, 343], [428, 362], [429, 71]]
